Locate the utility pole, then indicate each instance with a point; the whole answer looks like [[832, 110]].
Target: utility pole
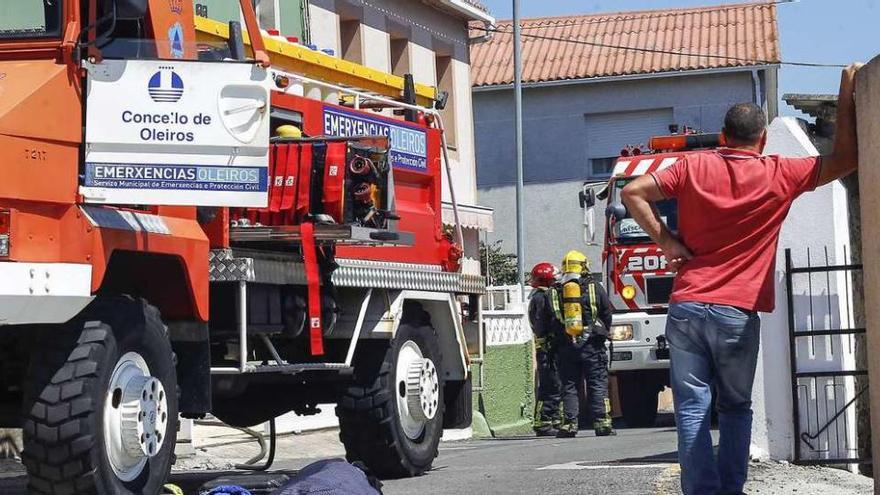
[[517, 92]]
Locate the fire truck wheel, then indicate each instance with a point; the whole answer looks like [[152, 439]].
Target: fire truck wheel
[[391, 416], [101, 403], [638, 400]]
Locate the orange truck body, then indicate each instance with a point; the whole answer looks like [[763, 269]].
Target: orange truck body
[[41, 135]]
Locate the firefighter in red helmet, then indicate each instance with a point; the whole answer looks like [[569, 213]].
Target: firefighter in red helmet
[[546, 328]]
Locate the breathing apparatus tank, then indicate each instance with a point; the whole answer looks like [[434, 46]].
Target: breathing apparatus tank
[[573, 265]]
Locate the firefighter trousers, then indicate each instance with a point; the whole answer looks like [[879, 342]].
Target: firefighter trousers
[[549, 391], [586, 362]]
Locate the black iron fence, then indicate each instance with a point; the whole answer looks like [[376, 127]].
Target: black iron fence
[[826, 380]]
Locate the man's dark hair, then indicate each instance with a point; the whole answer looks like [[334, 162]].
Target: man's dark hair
[[744, 123]]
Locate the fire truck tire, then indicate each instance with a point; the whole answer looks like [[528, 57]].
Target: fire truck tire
[[97, 419], [638, 400], [391, 416]]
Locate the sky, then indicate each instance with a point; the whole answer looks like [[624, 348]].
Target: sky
[[824, 31]]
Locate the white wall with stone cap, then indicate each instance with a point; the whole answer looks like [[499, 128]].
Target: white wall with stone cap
[[868, 118], [818, 220]]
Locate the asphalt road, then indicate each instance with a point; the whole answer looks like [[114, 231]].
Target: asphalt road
[[636, 462], [631, 463]]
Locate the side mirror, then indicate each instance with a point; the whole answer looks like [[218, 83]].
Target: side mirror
[[127, 10], [589, 227], [587, 197], [616, 211]]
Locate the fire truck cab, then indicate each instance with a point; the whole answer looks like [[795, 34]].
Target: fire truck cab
[[635, 273]]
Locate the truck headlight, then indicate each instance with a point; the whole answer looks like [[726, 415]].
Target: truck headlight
[[621, 332]]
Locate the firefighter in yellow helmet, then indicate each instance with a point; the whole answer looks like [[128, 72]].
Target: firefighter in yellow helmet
[[582, 305]]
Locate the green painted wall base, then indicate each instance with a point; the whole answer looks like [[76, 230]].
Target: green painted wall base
[[507, 400], [479, 426]]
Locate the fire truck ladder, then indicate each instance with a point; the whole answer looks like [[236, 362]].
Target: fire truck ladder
[[299, 59]]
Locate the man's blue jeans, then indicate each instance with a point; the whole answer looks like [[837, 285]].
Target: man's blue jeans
[[712, 346]]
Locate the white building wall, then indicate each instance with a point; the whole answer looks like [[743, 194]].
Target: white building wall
[[375, 47], [817, 221], [324, 26], [422, 64], [463, 159]]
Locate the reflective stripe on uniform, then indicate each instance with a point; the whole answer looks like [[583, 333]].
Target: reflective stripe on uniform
[[554, 302], [542, 343], [594, 311]]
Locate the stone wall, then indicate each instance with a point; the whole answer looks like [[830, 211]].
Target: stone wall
[[868, 115]]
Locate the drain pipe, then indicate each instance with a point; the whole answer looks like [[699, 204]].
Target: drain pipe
[[756, 80]]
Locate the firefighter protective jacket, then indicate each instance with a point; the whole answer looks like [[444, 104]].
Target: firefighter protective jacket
[[542, 317], [595, 304]]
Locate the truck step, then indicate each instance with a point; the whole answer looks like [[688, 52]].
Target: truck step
[[284, 369]]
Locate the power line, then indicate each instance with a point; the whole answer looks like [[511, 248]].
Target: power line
[[579, 41]]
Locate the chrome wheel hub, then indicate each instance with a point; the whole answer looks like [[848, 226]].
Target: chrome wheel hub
[[418, 389], [135, 417]]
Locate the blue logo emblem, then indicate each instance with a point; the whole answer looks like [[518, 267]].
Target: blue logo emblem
[[175, 37], [166, 86]]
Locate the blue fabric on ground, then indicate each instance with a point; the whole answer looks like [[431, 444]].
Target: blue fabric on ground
[[229, 490], [329, 477]]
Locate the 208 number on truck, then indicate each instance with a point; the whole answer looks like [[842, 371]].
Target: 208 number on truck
[[646, 263]]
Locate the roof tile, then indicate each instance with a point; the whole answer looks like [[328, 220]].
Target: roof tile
[[748, 32]]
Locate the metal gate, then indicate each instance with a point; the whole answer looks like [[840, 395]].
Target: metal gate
[[826, 382]]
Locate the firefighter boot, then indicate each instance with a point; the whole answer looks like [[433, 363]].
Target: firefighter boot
[[547, 431], [567, 430], [542, 427], [603, 427]]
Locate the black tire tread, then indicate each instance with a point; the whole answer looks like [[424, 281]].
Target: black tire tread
[[365, 412], [58, 439], [367, 422], [58, 444]]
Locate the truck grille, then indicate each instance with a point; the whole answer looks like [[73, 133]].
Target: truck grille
[[658, 289]]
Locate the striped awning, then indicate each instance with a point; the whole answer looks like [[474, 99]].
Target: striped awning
[[470, 216]]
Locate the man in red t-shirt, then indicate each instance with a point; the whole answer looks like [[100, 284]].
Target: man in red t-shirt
[[731, 203]]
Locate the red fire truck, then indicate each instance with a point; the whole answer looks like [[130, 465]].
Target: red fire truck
[[160, 255], [636, 276]]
